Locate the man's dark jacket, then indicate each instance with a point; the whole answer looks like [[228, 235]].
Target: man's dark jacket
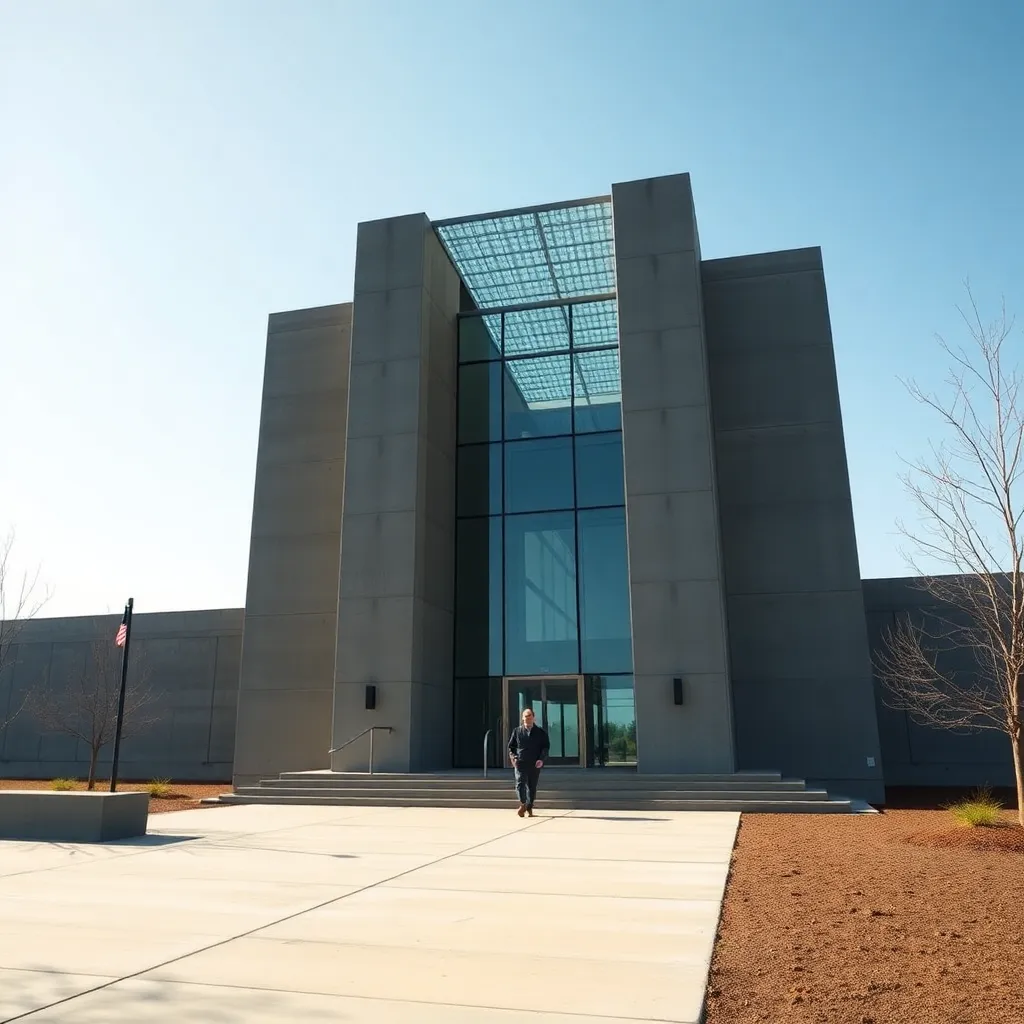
[[529, 747]]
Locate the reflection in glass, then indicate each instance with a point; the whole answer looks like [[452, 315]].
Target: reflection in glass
[[478, 616], [523, 694], [540, 594], [479, 337], [477, 709], [611, 720], [604, 591], [479, 489], [562, 718], [595, 324], [536, 330], [597, 393], [537, 397], [538, 475], [599, 471], [480, 402]]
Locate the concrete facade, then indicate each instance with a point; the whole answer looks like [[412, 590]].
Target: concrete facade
[[743, 572], [291, 611], [801, 670], [677, 593], [192, 662], [397, 596]]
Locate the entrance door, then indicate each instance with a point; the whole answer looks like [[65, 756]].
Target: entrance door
[[557, 701]]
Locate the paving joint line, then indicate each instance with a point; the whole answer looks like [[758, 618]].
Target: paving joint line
[[422, 1002], [270, 924]]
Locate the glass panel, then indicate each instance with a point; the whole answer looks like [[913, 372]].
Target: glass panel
[[532, 256], [595, 324], [540, 594], [537, 397], [479, 337], [597, 393], [562, 721], [611, 729], [479, 480], [523, 694], [600, 478], [536, 330], [480, 402], [604, 591], [538, 475], [477, 709], [478, 615]]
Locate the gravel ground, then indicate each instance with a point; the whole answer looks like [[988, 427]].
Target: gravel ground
[[871, 919], [183, 796]]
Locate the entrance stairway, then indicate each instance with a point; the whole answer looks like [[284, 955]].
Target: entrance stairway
[[560, 789]]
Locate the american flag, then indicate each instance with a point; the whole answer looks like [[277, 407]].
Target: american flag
[[122, 634]]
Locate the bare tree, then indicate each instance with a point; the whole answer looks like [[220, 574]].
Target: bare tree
[[967, 495], [21, 599], [86, 706]]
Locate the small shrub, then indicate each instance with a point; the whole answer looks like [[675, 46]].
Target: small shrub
[[62, 785], [981, 808], [159, 788]]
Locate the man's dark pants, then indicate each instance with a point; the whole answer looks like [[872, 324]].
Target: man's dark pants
[[527, 776]]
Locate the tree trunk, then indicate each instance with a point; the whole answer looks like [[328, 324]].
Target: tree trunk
[[93, 757], [1017, 742]]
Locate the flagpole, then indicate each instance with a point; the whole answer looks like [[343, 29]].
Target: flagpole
[[120, 699]]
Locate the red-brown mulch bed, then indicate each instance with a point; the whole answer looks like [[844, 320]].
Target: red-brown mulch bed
[[184, 796], [871, 919]]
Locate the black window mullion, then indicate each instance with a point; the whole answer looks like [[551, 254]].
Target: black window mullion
[[504, 616]]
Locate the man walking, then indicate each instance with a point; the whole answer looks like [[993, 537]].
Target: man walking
[[527, 747]]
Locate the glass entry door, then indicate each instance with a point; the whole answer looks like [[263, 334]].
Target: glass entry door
[[557, 701]]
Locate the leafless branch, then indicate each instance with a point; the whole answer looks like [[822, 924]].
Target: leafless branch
[[21, 599], [85, 707], [969, 517]]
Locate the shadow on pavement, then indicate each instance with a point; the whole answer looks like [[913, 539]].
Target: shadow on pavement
[[49, 994]]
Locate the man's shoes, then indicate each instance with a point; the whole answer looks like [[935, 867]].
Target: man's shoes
[[522, 810], [529, 811]]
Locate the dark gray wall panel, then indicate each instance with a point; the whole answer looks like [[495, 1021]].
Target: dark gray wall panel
[[191, 662], [802, 684]]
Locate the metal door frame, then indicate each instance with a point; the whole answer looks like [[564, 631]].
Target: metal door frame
[[542, 680]]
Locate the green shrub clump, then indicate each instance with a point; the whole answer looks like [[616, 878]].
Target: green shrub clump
[[159, 788], [62, 785], [981, 808]]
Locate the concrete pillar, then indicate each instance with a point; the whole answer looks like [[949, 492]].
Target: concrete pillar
[[675, 562], [397, 588], [286, 681]]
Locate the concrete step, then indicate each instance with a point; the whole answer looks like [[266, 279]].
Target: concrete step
[[754, 804], [552, 776], [494, 783], [470, 793]]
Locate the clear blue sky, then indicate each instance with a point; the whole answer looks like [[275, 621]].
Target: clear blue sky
[[171, 173]]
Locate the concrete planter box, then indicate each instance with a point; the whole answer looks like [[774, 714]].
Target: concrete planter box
[[72, 817]]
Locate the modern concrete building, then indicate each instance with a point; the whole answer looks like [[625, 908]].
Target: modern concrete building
[[552, 456], [545, 456]]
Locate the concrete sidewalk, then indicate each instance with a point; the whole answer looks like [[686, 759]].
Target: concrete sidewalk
[[272, 914]]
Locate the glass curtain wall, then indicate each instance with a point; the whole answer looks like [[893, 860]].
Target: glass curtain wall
[[542, 583]]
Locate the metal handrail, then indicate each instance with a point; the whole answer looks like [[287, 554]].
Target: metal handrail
[[487, 747], [371, 730]]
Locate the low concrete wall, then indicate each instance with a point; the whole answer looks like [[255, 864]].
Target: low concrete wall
[[72, 817], [192, 661], [916, 755]]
